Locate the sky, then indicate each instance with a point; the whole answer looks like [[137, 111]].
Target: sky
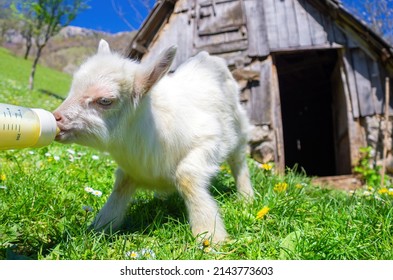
[[102, 15]]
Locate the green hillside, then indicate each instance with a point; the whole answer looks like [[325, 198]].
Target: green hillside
[[66, 50], [14, 77]]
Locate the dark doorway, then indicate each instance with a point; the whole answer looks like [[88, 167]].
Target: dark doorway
[[307, 106]]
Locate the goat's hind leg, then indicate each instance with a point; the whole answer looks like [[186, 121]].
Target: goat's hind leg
[[193, 178], [238, 164]]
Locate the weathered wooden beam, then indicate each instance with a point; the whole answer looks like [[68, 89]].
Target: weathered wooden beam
[[150, 27], [385, 131], [351, 81], [258, 44]]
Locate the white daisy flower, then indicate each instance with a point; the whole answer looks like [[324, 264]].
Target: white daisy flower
[[148, 253], [89, 189], [97, 193], [132, 254]]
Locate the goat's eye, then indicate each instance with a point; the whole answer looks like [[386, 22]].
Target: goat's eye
[[103, 101]]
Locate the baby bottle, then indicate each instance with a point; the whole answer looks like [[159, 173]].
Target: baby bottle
[[22, 127]]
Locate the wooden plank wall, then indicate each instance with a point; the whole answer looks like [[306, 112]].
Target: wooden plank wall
[[289, 25], [178, 31], [256, 29], [365, 82], [297, 25]]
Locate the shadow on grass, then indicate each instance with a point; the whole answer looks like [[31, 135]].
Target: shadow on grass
[[27, 251], [146, 216]]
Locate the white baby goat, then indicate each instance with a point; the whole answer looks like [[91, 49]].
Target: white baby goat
[[165, 131]]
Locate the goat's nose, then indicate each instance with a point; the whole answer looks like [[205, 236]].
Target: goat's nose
[[58, 116]]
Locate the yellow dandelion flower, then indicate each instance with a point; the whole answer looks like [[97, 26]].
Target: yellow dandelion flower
[[225, 168], [3, 177], [280, 187], [267, 166], [383, 190], [298, 186], [262, 213], [390, 191]]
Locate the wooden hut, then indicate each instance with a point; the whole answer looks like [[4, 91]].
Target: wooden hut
[[312, 76]]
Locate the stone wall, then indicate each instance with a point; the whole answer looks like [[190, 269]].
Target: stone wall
[[375, 127], [262, 144]]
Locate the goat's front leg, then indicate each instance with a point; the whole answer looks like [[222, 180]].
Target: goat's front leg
[[112, 214]]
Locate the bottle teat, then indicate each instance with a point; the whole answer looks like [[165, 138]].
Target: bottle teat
[[48, 127]]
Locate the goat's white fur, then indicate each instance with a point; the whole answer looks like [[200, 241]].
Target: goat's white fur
[[165, 131]]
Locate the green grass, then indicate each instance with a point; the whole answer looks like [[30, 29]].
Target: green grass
[[16, 71], [45, 210]]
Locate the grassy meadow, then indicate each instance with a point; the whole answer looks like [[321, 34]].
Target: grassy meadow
[[49, 196]]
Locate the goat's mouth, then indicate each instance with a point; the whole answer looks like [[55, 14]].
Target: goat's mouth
[[64, 135]]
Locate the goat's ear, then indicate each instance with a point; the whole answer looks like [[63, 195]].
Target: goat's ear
[[103, 47], [149, 75]]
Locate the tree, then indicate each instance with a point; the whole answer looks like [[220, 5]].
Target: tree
[[7, 21], [22, 11], [27, 34], [43, 19], [378, 15]]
